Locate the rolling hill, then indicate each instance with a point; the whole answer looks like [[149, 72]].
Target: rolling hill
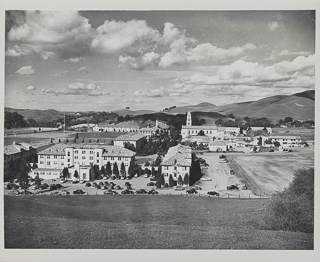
[[203, 107], [299, 106], [40, 116]]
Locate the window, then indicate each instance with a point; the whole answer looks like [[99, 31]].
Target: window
[[76, 151], [48, 163], [84, 176], [83, 157], [119, 158], [62, 164], [83, 151], [69, 160], [41, 156], [49, 173], [97, 154], [97, 160], [55, 162], [55, 157], [76, 157], [48, 157], [68, 153], [175, 168], [175, 175], [112, 158], [91, 152], [83, 163], [91, 157], [41, 162], [62, 157]]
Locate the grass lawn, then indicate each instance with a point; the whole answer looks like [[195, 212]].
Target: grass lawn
[[142, 222]]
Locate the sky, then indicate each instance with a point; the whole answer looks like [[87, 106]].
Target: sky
[[110, 60]]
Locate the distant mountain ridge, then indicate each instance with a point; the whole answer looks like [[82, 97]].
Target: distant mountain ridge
[[299, 106]]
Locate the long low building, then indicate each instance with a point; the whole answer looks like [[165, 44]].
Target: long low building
[[177, 163], [132, 138], [60, 156]]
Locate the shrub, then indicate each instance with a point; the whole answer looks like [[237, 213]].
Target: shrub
[[293, 209]]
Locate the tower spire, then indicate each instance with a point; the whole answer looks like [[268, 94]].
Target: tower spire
[[189, 121]]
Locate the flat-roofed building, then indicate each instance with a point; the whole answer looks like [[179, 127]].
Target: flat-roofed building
[[218, 146], [132, 138]]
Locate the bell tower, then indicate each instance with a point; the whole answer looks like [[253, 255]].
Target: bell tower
[[189, 121]]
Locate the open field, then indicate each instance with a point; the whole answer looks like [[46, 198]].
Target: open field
[[305, 133], [267, 173], [142, 222], [38, 137]]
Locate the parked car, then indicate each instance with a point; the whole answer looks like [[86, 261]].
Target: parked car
[[153, 179], [75, 182], [101, 183], [179, 188], [205, 179], [53, 187], [271, 150], [141, 192], [94, 184], [58, 186], [127, 192], [153, 192], [233, 187], [222, 156], [191, 191], [98, 187], [117, 187], [213, 193], [88, 184], [244, 187], [110, 192], [78, 192], [151, 184]]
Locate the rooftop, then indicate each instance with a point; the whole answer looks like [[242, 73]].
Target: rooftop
[[149, 129], [59, 149], [178, 155], [201, 127], [129, 137], [17, 148], [217, 143]]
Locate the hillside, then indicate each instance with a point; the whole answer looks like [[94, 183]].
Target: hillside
[[298, 106], [40, 116], [307, 94], [142, 222], [203, 107], [124, 112]]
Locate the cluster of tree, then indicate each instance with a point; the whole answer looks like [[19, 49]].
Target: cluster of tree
[[124, 119], [289, 121], [168, 108], [293, 209], [15, 120], [195, 170], [195, 145], [14, 168], [158, 143]]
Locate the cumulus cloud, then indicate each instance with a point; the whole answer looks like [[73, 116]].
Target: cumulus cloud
[[274, 55], [255, 79], [272, 26], [131, 36], [25, 70], [83, 70], [18, 51], [74, 60], [78, 88], [48, 54], [159, 92], [61, 32], [30, 88]]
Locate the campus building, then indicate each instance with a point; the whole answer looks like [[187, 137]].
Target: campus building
[[132, 138], [80, 157], [211, 131], [177, 163], [17, 152]]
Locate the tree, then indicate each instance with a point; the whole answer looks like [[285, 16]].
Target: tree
[[23, 174], [51, 141], [195, 172], [96, 171], [162, 180], [76, 174], [91, 173], [158, 161], [37, 181], [260, 141], [153, 172], [158, 177], [171, 181], [34, 166], [108, 169], [201, 133], [288, 119], [179, 180], [123, 170], [77, 136], [131, 169], [102, 171], [59, 140], [65, 173], [186, 179], [293, 209], [67, 140], [115, 170]]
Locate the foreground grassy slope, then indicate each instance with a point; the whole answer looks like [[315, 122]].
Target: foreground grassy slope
[[148, 222]]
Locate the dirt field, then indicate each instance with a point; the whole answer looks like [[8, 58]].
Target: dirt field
[[267, 173], [221, 178]]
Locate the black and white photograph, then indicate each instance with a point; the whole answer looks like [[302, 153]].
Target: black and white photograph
[[158, 129]]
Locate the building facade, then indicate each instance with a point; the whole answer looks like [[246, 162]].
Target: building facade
[[81, 157], [177, 163], [133, 138]]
